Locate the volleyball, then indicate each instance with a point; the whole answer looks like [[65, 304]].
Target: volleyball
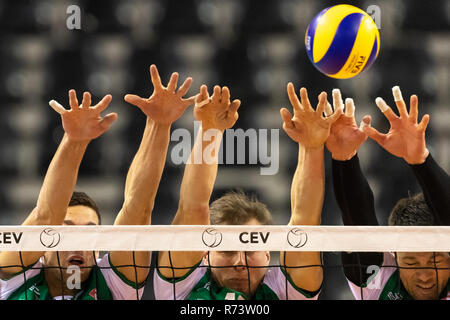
[[342, 41]]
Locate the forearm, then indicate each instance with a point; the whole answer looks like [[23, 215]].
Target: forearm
[[58, 185], [144, 175], [353, 193], [53, 200], [356, 202], [307, 189], [307, 193], [435, 184], [199, 178]]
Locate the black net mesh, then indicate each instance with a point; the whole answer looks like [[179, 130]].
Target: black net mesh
[[371, 276]]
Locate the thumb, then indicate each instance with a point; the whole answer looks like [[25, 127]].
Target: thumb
[[366, 121], [189, 101], [134, 100], [107, 120], [373, 133], [287, 117], [424, 123], [234, 106]]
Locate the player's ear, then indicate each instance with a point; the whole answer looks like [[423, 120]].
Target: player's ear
[[268, 256]]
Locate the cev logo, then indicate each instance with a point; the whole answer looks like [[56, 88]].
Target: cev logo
[[297, 238], [212, 237], [50, 238]]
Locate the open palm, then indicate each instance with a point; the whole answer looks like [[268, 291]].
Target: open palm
[[84, 123], [345, 135], [217, 112], [166, 104], [406, 137], [307, 126]]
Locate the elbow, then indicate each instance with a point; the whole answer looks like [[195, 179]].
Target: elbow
[[138, 212], [43, 216], [197, 213]]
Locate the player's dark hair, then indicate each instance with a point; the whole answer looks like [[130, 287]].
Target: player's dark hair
[[82, 199], [235, 208], [412, 211]]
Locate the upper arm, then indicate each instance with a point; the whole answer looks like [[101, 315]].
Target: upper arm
[[353, 193]]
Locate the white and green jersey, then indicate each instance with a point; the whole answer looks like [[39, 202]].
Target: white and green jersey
[[386, 284], [199, 285], [104, 283]]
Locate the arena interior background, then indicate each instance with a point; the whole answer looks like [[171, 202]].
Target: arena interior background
[[254, 47]]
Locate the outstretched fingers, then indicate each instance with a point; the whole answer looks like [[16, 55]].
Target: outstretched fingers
[[337, 99], [184, 88], [86, 103], [385, 109], [216, 94], [424, 123], [108, 120], [413, 108], [135, 100], [373, 133], [293, 98], [286, 116], [172, 85], [73, 101], [328, 110], [225, 95], [335, 116], [57, 107], [156, 79], [398, 98], [103, 104], [234, 106], [349, 108], [202, 98], [322, 103], [305, 100]]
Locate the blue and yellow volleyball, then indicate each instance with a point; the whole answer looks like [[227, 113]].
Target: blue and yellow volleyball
[[342, 41]]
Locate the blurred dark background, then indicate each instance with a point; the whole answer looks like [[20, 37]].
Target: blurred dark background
[[254, 47]]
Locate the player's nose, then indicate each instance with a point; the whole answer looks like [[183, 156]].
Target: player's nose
[[425, 275], [240, 260]]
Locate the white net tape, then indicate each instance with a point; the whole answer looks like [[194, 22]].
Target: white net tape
[[225, 238]]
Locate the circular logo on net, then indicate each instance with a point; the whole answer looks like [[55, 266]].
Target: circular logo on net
[[50, 238], [212, 237], [297, 238]]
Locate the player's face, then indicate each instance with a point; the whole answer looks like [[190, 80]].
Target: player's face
[[236, 275], [419, 276], [81, 216]]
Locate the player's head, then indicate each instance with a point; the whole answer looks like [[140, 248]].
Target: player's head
[[419, 270], [236, 208], [411, 211], [82, 211]]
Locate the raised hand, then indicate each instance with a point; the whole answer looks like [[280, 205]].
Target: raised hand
[[166, 104], [345, 136], [217, 112], [84, 123], [308, 126], [406, 137]]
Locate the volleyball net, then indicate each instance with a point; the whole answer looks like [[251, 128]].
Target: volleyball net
[[229, 238]]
